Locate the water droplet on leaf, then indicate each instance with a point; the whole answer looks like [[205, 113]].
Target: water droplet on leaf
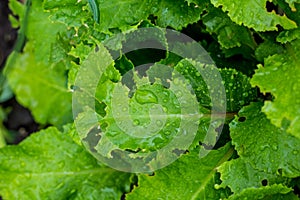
[[145, 96]]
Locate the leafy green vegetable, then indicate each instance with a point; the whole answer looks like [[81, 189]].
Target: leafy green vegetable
[[237, 87], [160, 112], [268, 192], [274, 144], [46, 166], [239, 175], [253, 14], [178, 181], [229, 34], [33, 81], [282, 69]]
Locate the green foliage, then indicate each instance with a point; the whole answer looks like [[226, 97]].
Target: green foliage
[[196, 181], [254, 14], [282, 69], [261, 154], [250, 150], [45, 166]]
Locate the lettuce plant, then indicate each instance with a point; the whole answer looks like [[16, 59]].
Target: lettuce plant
[[248, 149]]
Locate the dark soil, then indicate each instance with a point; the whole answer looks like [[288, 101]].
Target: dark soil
[[19, 121]]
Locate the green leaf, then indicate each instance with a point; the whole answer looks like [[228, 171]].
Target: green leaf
[[37, 76], [266, 49], [292, 11], [71, 13], [288, 35], [5, 91], [187, 178], [177, 14], [239, 175], [273, 192], [41, 33], [281, 71], [49, 165], [41, 88], [237, 86], [127, 14], [229, 34], [253, 14], [292, 4], [266, 147]]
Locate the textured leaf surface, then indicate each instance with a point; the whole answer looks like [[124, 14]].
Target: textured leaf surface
[[187, 178], [127, 13], [282, 71], [291, 10], [266, 49], [47, 166], [39, 84], [237, 86], [229, 34], [275, 151], [41, 88], [239, 175], [274, 192], [177, 14], [253, 14]]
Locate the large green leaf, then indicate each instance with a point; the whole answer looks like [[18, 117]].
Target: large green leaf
[[38, 82], [280, 76], [41, 88], [187, 178], [266, 147], [253, 14], [49, 165]]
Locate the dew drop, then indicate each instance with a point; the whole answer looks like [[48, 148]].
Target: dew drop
[[61, 164], [136, 122], [61, 185], [145, 96], [296, 87], [245, 94], [217, 186], [159, 123], [295, 152], [275, 147], [179, 93], [165, 109]]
